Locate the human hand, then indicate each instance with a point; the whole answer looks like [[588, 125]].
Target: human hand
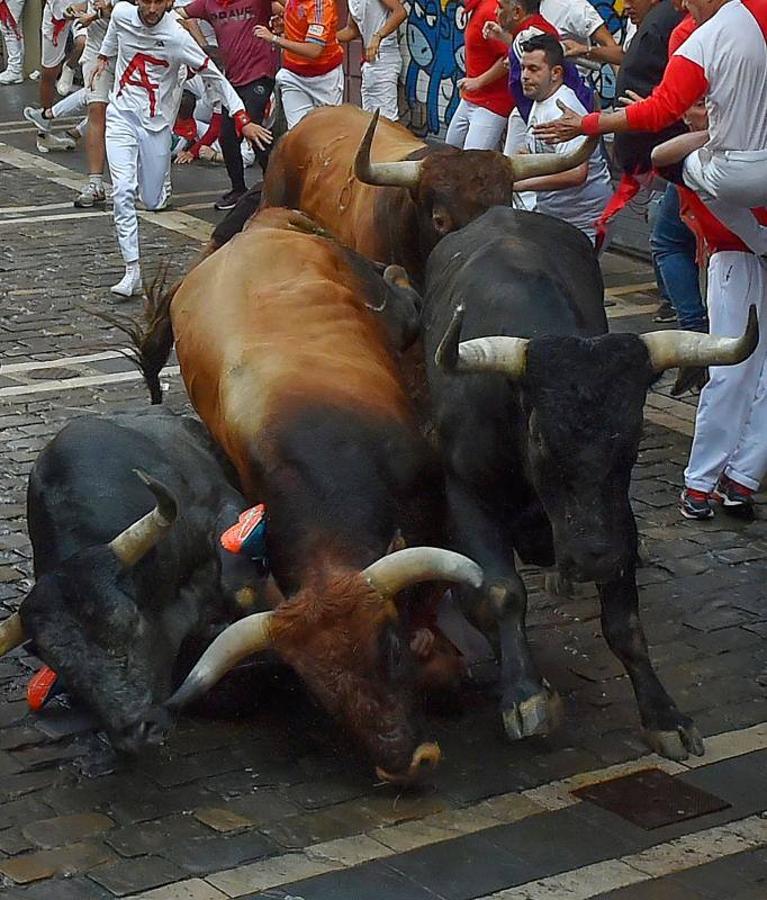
[[629, 98], [468, 85], [560, 130], [573, 48], [259, 136], [277, 24], [491, 30], [101, 63], [373, 48], [422, 642], [261, 31], [184, 158]]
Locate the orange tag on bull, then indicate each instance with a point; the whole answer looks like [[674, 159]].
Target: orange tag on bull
[[39, 688], [248, 534]]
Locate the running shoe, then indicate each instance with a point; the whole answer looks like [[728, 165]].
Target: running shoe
[[736, 499], [48, 142], [664, 313], [229, 200], [695, 504], [90, 196], [11, 76], [35, 116]]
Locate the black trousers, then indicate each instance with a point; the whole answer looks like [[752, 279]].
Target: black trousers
[[255, 95]]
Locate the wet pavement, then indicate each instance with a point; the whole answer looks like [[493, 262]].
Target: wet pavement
[[262, 797]]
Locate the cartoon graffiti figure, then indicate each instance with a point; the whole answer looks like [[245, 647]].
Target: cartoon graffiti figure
[[435, 47]]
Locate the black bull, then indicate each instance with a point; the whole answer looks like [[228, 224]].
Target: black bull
[[122, 591], [539, 438]]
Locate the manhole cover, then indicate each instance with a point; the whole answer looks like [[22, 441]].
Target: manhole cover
[[651, 798]]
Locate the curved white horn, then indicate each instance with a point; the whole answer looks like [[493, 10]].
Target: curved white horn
[[536, 165], [507, 355], [240, 639], [139, 538], [668, 349], [391, 174], [398, 570], [11, 634]]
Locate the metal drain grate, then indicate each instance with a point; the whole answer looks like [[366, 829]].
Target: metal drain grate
[[651, 798]]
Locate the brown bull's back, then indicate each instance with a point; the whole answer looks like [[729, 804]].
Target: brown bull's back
[[271, 324], [312, 169]]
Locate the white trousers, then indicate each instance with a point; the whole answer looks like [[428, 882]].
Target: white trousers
[[732, 183], [139, 162], [475, 128], [13, 36], [54, 40], [516, 135], [731, 423], [301, 94], [73, 104], [379, 84]]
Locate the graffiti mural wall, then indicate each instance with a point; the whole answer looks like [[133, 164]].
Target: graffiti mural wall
[[433, 50]]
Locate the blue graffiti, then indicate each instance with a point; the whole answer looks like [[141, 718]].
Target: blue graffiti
[[435, 45]]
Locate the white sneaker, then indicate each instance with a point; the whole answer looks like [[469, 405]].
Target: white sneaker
[[128, 286], [11, 76], [66, 81], [90, 196], [49, 142], [35, 116]]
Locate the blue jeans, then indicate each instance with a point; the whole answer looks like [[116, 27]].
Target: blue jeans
[[673, 249]]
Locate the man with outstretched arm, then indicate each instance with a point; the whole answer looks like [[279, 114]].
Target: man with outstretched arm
[[723, 60], [151, 47]]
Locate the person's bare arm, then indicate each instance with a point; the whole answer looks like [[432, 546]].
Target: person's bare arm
[[603, 49], [350, 32], [569, 179], [307, 49], [496, 71], [396, 17], [677, 148]]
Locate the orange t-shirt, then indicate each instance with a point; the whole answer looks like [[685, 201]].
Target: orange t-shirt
[[315, 22]]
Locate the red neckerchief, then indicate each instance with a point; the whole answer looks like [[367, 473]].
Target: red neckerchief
[[58, 26]]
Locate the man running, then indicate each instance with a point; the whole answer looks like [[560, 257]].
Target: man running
[[250, 65], [151, 47], [725, 60]]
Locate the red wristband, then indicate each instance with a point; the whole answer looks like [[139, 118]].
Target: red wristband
[[240, 119], [590, 125]]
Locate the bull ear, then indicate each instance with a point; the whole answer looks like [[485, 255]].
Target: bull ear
[[505, 355], [393, 573], [397, 543], [11, 634], [668, 349], [138, 539]]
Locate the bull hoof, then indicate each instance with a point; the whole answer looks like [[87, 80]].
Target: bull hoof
[[678, 744], [558, 585], [540, 714]]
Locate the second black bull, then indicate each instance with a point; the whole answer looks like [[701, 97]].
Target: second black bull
[[539, 416]]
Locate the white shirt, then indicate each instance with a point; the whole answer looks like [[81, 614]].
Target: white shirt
[[731, 50], [370, 16], [583, 205], [149, 62], [573, 19]]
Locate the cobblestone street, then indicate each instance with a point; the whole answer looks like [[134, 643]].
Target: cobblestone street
[[269, 801]]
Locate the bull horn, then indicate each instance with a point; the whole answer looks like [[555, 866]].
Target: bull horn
[[405, 173], [139, 538], [11, 634], [668, 349], [507, 355], [398, 570], [242, 638], [536, 165]]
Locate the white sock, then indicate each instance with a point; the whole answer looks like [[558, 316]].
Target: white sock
[[97, 183], [133, 269]]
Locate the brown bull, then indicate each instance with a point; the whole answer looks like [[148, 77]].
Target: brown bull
[[383, 191], [284, 340]]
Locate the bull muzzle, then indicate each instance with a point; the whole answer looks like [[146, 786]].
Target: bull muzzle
[[425, 759]]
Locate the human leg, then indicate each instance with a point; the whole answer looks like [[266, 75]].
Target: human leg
[[122, 150], [97, 95], [674, 250], [485, 130], [296, 98], [726, 400], [379, 85], [53, 44], [13, 38], [459, 124], [731, 184]]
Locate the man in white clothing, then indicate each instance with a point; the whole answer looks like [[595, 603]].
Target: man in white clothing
[[583, 31], [13, 38], [151, 47], [580, 195]]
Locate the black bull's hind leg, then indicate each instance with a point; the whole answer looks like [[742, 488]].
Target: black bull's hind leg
[[666, 729], [528, 704]]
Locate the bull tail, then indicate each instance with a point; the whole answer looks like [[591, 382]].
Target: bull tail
[[153, 335]]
